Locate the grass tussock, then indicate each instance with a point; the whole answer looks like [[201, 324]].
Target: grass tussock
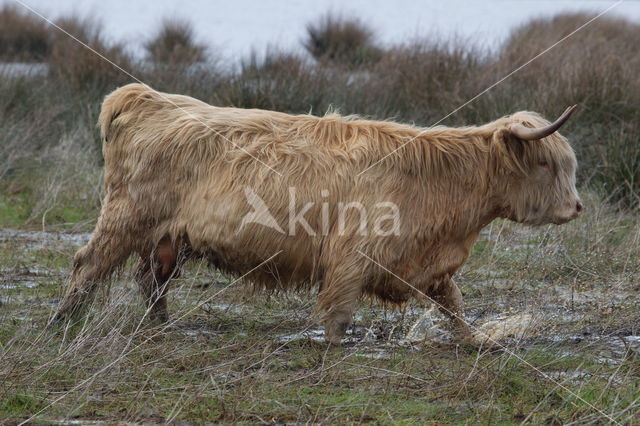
[[24, 37], [596, 68], [175, 43], [276, 81], [82, 68], [338, 40]]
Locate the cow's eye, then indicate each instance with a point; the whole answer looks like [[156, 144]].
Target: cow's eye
[[544, 164]]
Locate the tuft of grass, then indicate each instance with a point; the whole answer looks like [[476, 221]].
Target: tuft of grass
[[81, 68], [175, 43], [339, 40], [425, 80], [24, 37], [276, 81], [17, 405]]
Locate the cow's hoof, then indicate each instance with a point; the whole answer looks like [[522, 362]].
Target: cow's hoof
[[334, 341], [335, 331], [332, 337], [159, 319], [58, 319]]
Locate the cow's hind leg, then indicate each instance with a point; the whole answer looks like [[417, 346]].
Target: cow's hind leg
[[449, 299], [113, 240], [155, 270]]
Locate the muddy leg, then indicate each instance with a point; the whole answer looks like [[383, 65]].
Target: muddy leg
[[153, 274], [449, 300], [337, 301], [110, 246]]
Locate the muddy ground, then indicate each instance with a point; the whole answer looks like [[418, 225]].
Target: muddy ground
[[564, 321]]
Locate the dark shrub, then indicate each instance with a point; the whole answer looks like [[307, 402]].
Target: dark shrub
[[175, 43], [425, 80], [342, 41], [23, 36]]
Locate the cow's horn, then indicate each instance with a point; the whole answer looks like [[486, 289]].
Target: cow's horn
[[528, 133]]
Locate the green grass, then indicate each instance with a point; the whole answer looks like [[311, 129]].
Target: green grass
[[14, 211], [17, 406]]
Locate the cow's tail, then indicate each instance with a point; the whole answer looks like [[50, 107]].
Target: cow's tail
[[122, 110], [113, 114]]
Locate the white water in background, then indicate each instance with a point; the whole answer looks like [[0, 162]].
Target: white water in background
[[234, 27]]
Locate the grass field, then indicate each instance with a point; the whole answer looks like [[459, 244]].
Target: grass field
[[562, 302], [229, 356]]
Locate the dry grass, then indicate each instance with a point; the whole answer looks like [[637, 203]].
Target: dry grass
[[74, 64], [339, 40], [175, 43], [596, 69], [23, 37]]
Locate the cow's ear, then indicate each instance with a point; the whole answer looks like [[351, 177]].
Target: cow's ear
[[508, 150], [507, 142]]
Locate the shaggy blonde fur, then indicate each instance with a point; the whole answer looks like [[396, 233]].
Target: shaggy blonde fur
[[176, 170]]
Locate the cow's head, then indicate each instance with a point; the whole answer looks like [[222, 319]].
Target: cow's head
[[535, 170]]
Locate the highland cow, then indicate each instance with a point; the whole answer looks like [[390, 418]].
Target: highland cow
[[180, 176]]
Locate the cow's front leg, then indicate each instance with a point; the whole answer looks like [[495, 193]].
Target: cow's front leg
[[449, 299], [337, 301]]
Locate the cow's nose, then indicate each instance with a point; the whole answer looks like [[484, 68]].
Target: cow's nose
[[579, 208]]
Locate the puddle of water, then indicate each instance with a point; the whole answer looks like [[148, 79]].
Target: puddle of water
[[228, 307], [564, 295], [315, 335], [427, 327], [569, 376], [620, 345], [199, 332], [22, 318], [19, 284], [633, 341], [34, 240], [609, 350], [607, 361], [17, 69]]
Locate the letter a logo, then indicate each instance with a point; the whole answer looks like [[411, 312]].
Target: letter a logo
[[260, 213]]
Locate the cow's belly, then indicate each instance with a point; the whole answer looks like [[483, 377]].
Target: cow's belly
[[224, 231], [278, 270]]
